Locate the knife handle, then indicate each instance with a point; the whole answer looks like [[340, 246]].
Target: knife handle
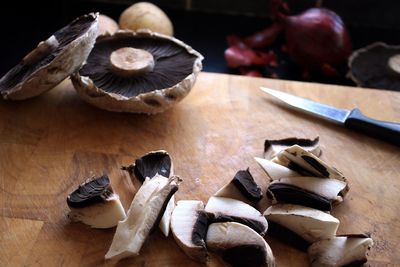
[[387, 131]]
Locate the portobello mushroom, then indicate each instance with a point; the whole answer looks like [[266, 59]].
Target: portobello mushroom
[[140, 72], [300, 226], [149, 165], [273, 147], [52, 60], [242, 187], [345, 250], [94, 203], [314, 192], [240, 245], [221, 209], [307, 164], [376, 66], [274, 170], [189, 225], [143, 215]]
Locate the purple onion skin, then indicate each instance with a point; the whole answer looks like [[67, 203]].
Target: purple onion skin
[[317, 37]]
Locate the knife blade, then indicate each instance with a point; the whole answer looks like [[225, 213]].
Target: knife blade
[[352, 119]]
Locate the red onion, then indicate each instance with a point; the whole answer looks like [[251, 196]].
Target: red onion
[[317, 37]]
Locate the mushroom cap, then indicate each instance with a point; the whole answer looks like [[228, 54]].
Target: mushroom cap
[[273, 147], [153, 92], [376, 66], [52, 61], [274, 170], [107, 25]]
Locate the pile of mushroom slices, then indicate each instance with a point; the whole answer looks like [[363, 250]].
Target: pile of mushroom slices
[[303, 190], [126, 71], [95, 203]]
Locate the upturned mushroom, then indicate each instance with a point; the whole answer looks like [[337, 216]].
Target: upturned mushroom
[[140, 72], [376, 66], [239, 245], [149, 165], [143, 215], [273, 147], [189, 225], [314, 192], [300, 226], [274, 170], [52, 60], [242, 187], [94, 203], [346, 250], [221, 209]]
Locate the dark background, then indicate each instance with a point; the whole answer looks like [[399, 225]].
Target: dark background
[[203, 24]]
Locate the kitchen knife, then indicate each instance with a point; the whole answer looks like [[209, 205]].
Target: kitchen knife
[[352, 119]]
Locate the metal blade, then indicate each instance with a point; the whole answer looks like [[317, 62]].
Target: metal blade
[[336, 115]]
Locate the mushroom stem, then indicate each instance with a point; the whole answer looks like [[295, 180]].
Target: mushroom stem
[[394, 63], [43, 49], [129, 61]]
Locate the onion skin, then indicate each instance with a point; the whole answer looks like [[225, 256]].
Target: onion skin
[[236, 56], [317, 37]]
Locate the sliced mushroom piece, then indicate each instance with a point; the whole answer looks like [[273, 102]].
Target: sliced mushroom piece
[[299, 160], [300, 226], [273, 147], [150, 164], [240, 245], [221, 209], [52, 61], [312, 192], [144, 214], [274, 170], [189, 225], [242, 187], [140, 72], [347, 250], [94, 203]]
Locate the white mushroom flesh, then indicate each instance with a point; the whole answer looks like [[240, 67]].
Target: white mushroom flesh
[[307, 161], [227, 209], [340, 251], [310, 224], [141, 217], [274, 170], [186, 217], [101, 215]]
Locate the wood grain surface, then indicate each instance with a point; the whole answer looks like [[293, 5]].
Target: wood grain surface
[[50, 144]]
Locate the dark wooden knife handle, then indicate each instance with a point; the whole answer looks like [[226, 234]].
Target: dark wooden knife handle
[[387, 131]]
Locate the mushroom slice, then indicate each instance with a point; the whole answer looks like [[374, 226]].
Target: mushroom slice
[[298, 159], [189, 227], [347, 250], [144, 214], [312, 192], [376, 66], [300, 225], [140, 72], [152, 163], [239, 244], [94, 203], [273, 147], [242, 187], [274, 170], [52, 61], [221, 209]]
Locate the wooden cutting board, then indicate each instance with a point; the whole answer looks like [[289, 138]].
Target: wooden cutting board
[[50, 144]]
